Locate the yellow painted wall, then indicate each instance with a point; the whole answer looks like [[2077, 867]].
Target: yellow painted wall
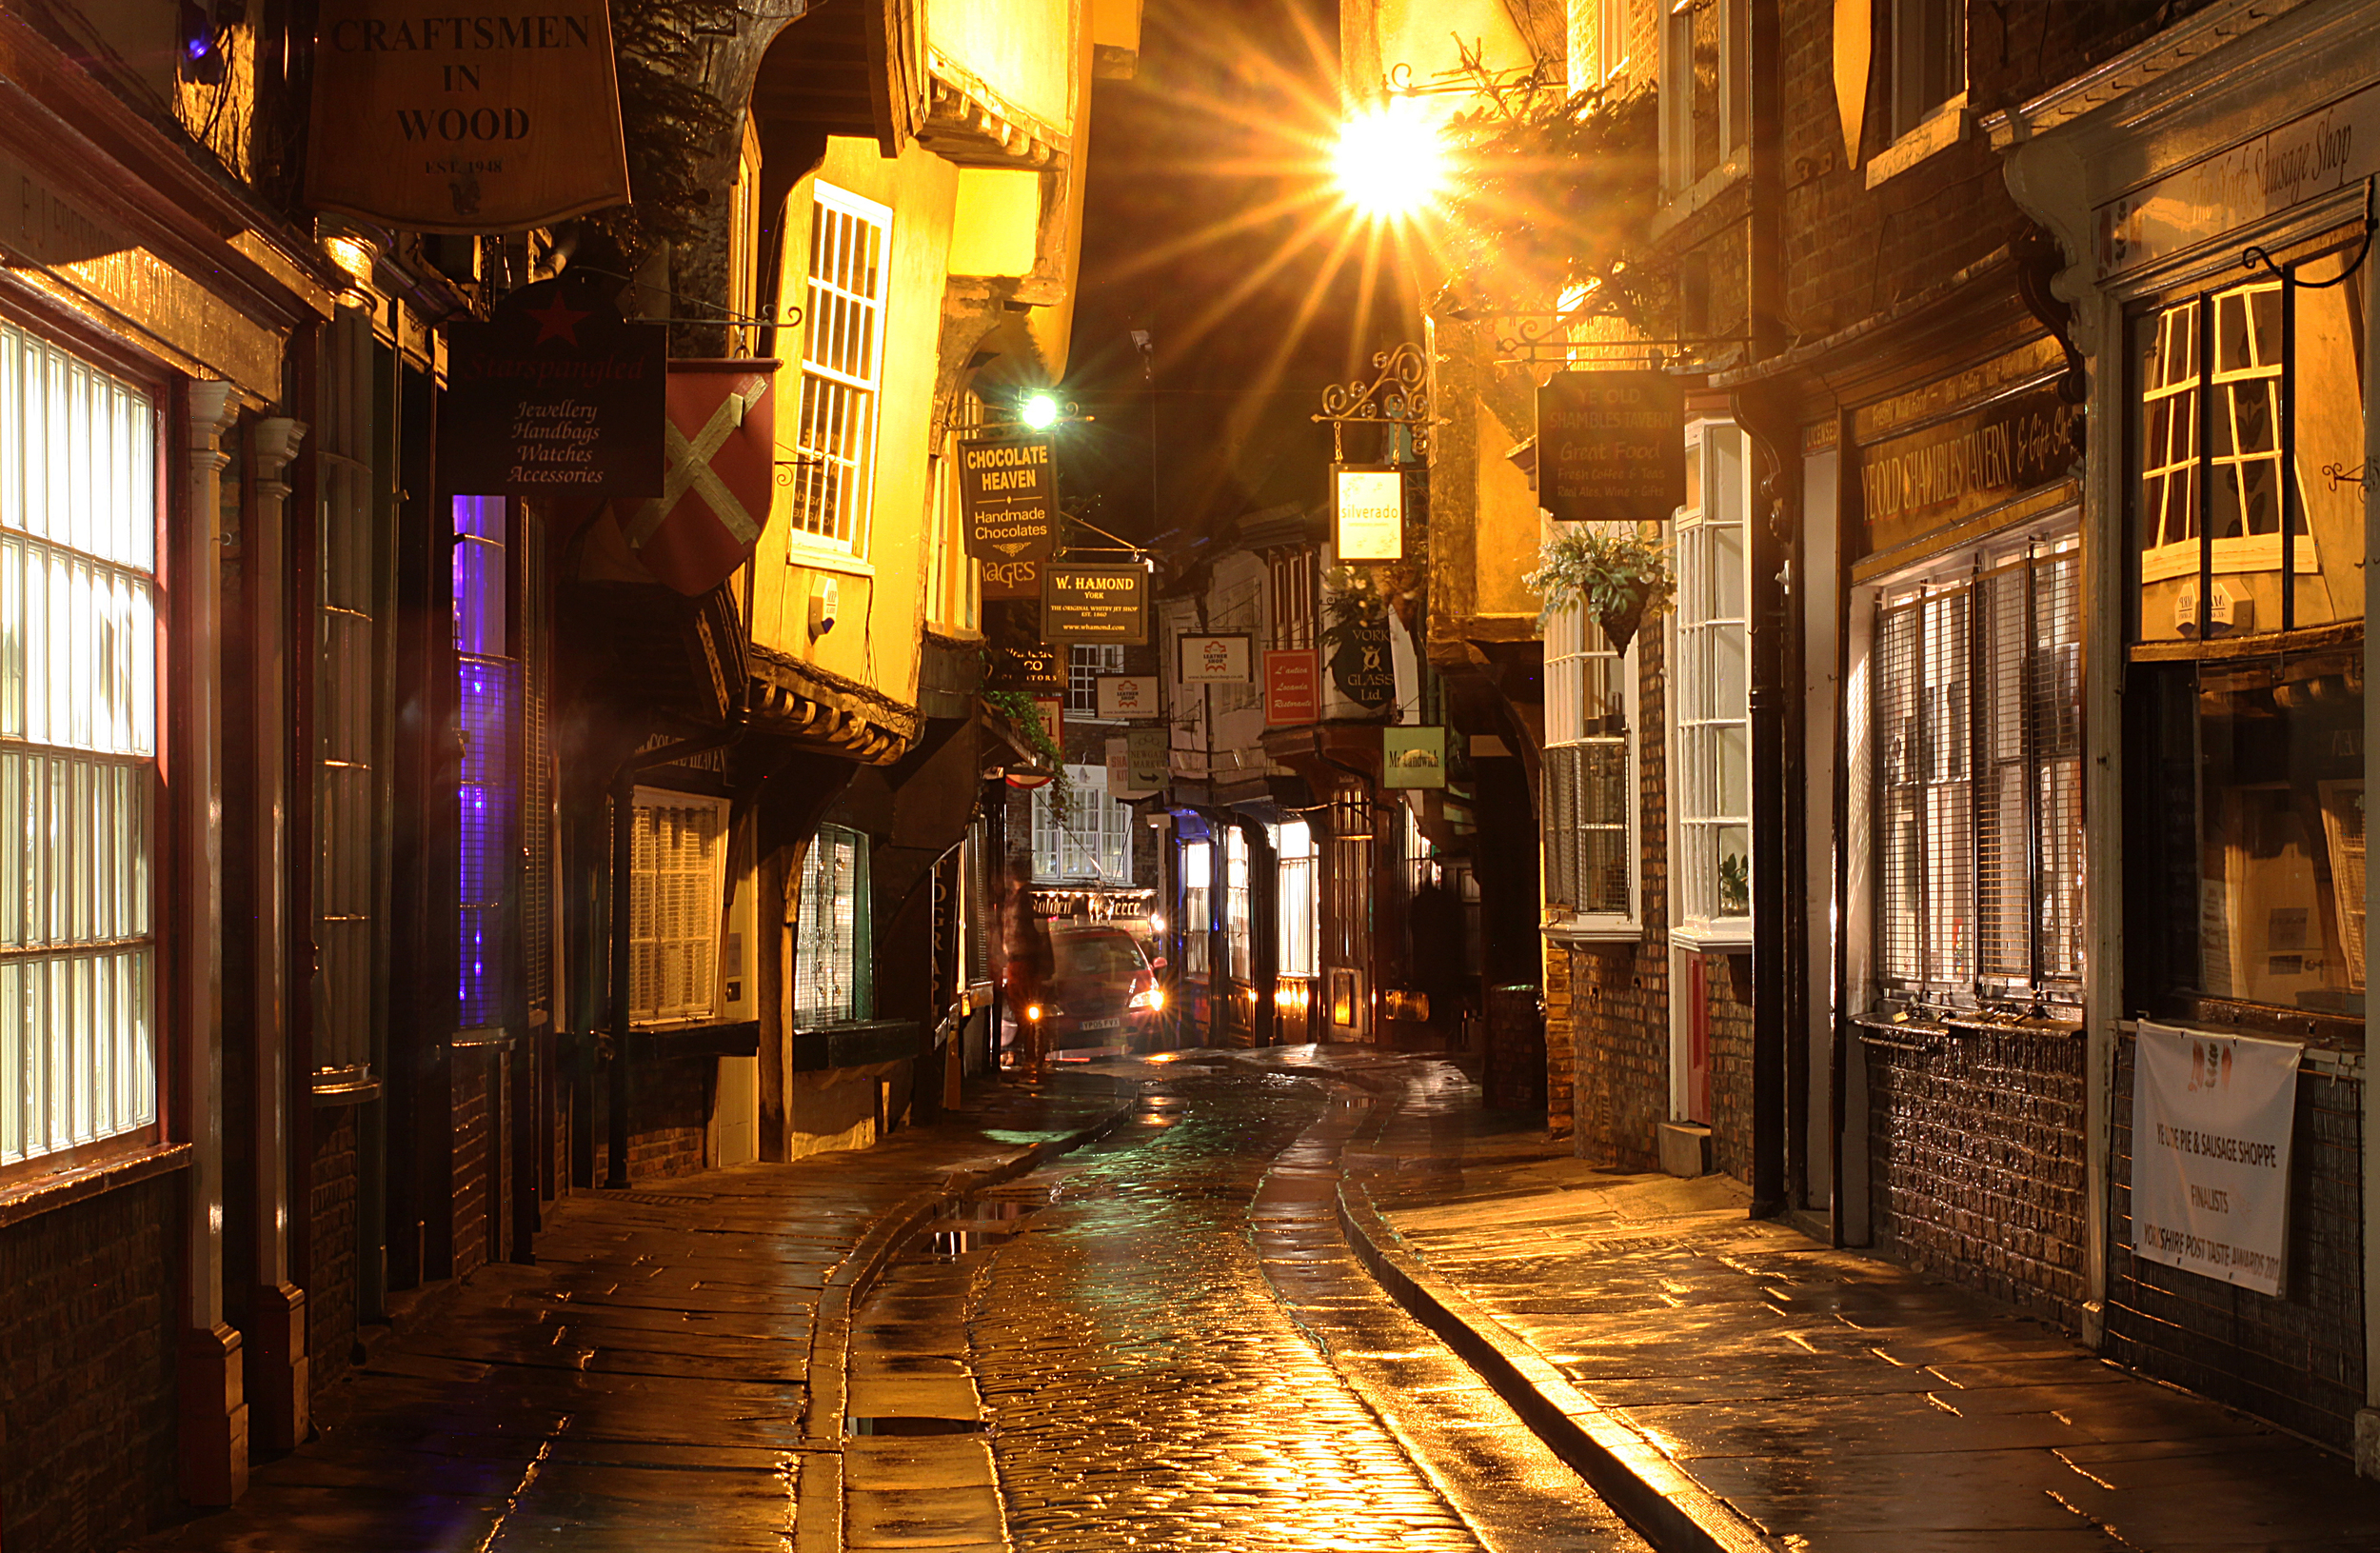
[[1021, 53], [997, 227], [1504, 533], [882, 589]]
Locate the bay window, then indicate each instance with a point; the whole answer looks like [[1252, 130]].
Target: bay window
[[1709, 684], [79, 667], [1590, 778], [1093, 842]]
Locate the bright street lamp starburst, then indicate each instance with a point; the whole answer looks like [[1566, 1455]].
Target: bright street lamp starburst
[[1390, 161], [1040, 412]]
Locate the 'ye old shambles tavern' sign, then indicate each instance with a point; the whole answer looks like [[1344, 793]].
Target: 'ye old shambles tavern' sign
[[1008, 495], [557, 396], [1610, 447], [1925, 463], [451, 118]]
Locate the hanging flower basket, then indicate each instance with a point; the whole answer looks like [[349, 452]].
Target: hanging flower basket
[[1618, 578]]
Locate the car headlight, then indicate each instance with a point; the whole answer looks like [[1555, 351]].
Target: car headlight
[[1153, 1000]]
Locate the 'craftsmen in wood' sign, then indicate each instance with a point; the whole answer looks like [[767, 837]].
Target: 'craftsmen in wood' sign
[[440, 117]]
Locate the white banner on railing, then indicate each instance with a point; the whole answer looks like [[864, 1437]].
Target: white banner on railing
[[2211, 1120]]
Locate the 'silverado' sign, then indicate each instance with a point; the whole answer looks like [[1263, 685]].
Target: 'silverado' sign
[[1008, 497]]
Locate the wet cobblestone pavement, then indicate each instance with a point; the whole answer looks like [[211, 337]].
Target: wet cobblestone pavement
[[1144, 1386]]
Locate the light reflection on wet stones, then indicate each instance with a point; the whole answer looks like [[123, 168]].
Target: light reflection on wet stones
[[1145, 1387]]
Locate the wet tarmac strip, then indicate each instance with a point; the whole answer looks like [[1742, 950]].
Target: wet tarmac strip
[[1173, 1347]]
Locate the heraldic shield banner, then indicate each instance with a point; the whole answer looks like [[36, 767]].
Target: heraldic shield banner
[[722, 450]]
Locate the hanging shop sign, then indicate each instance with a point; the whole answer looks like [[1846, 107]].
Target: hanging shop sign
[[1367, 513], [1010, 580], [1095, 604], [1027, 669], [1008, 497], [1413, 757], [1293, 687], [1954, 468], [1147, 750], [1214, 660], [721, 449], [2212, 1122], [1611, 447], [1364, 668], [1123, 697], [1121, 782], [449, 122], [558, 395]]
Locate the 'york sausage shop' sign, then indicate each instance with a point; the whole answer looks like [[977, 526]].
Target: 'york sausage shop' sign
[[1095, 603], [446, 116], [1008, 495], [1611, 447], [556, 396]]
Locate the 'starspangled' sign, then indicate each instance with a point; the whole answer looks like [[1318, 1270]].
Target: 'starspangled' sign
[[556, 396]]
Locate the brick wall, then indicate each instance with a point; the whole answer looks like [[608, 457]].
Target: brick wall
[[474, 1160], [86, 1352], [1975, 1160], [2297, 1359], [1731, 1067], [670, 1116], [330, 1290], [1619, 992], [1561, 1062]]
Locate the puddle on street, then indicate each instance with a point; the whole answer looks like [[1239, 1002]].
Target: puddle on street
[[912, 1425]]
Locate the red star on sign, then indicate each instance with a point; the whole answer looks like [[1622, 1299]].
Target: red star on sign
[[559, 322]]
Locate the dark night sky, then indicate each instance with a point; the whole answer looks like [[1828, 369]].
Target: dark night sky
[[1232, 112]]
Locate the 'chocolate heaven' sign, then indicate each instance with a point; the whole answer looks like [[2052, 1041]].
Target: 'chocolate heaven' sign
[[1008, 496], [556, 396]]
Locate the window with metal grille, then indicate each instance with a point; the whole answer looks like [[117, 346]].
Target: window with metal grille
[[1295, 924], [677, 853], [1093, 842], [1084, 665], [1977, 734], [1709, 688], [488, 790], [1238, 907], [78, 748], [832, 975], [1590, 775], [842, 365], [1197, 873], [351, 606]]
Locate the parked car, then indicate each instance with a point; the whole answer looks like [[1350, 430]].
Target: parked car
[[1102, 991]]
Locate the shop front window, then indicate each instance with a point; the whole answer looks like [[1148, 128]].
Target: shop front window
[[2245, 767], [1977, 728], [1197, 873]]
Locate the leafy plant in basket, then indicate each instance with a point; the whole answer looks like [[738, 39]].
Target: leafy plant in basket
[[1618, 578], [1023, 716]]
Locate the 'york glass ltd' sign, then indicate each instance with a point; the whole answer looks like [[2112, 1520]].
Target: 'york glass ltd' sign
[[1610, 447], [1008, 495], [556, 396], [453, 119]]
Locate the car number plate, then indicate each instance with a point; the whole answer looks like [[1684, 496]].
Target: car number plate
[[1101, 1024]]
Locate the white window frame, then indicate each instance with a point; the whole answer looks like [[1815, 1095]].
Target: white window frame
[[1238, 907], [1570, 642], [1297, 900], [1197, 908], [82, 818], [842, 366], [666, 923], [1909, 106], [1680, 182], [1094, 844], [833, 931], [1085, 662], [1704, 629]]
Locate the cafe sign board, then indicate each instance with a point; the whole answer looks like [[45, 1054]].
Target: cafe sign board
[[1611, 447], [1095, 603], [1008, 497], [450, 119], [556, 396], [1367, 513]]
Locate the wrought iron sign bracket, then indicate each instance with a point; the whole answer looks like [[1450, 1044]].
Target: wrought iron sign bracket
[[1397, 396]]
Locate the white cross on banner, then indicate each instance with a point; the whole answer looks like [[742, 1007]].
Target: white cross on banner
[[721, 475]]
